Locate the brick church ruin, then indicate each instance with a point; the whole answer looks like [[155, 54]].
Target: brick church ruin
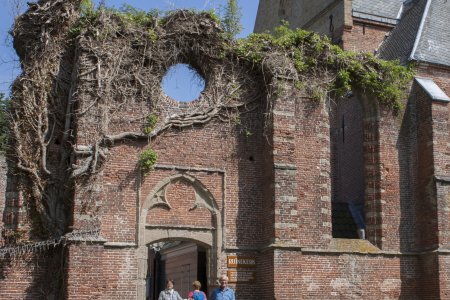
[[295, 172]]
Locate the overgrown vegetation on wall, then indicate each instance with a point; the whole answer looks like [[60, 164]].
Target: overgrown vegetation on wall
[[340, 71], [4, 117], [83, 68]]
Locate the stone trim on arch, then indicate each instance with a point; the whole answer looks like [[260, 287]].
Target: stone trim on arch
[[199, 235], [203, 197], [147, 234]]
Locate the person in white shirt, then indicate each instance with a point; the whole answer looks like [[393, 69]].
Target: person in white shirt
[[169, 293]]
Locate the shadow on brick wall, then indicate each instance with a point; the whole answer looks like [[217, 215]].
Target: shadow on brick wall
[[46, 273], [410, 266]]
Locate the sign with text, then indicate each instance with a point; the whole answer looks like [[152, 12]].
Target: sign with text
[[235, 276], [234, 261]]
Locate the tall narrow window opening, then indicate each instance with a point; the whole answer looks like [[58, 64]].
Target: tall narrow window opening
[[348, 217]]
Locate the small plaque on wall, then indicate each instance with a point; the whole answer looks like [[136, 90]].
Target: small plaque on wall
[[238, 276]]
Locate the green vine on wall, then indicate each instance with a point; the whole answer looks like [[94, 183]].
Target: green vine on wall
[[241, 75], [310, 53], [313, 55]]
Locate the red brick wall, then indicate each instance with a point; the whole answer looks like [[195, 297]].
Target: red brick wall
[[427, 218], [302, 193], [444, 276], [244, 176], [364, 37], [14, 215], [430, 276], [315, 275], [346, 276], [441, 154], [441, 127], [286, 206], [274, 193], [389, 164], [181, 197], [266, 274], [312, 158], [31, 275], [302, 203], [97, 272], [372, 200], [2, 194]]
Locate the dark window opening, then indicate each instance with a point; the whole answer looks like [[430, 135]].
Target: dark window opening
[[343, 224], [347, 163]]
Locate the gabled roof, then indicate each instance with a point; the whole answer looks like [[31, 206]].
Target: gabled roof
[[423, 34], [384, 11]]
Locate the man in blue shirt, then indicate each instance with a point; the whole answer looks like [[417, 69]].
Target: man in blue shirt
[[223, 292]]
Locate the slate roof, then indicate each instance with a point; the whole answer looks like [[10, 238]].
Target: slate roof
[[423, 34], [400, 42], [385, 11], [433, 39]]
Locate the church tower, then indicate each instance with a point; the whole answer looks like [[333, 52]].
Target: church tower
[[326, 17]]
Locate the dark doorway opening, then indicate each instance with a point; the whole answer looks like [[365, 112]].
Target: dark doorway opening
[[183, 262]]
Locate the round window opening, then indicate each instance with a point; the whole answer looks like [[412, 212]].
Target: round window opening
[[183, 83]]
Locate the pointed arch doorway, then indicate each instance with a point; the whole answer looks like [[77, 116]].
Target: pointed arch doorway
[[182, 211]]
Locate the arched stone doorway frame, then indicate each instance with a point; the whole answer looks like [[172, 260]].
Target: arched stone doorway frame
[[210, 238]]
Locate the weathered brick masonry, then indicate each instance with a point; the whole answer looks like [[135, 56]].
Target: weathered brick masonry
[[265, 190], [299, 250]]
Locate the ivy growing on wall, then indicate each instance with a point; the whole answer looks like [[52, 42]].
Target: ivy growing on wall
[[85, 64], [315, 56]]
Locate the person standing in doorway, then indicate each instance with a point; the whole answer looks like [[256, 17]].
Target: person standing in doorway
[[196, 294], [223, 292], [169, 293]]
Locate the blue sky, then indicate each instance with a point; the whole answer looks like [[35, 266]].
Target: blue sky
[[9, 67]]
